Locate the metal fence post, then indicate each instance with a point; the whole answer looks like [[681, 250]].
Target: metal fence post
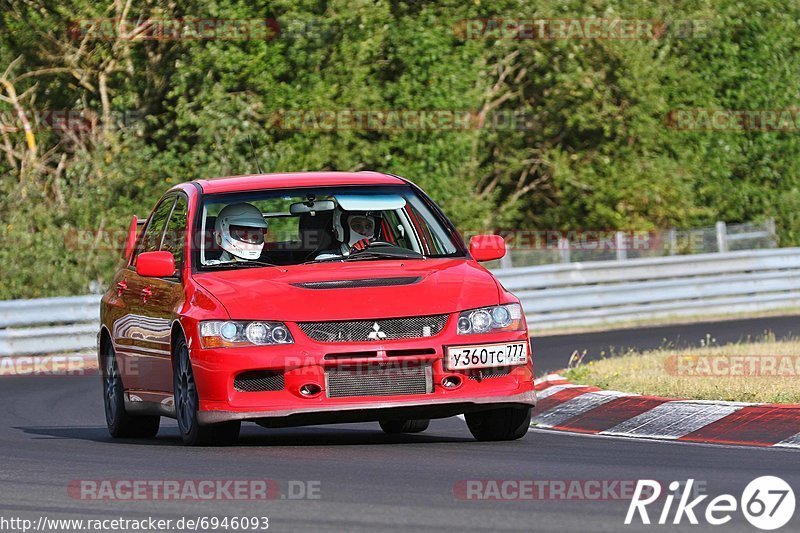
[[563, 248], [672, 239], [773, 234], [619, 244], [505, 261], [722, 237]]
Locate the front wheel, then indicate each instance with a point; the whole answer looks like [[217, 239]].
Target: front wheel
[[121, 424], [187, 403], [507, 423]]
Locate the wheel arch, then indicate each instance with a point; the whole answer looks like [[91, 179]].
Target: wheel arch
[[177, 331], [103, 342]]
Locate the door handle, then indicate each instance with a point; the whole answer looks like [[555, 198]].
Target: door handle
[[147, 292], [122, 286]]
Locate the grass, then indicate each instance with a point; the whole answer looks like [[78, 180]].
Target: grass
[[767, 371]]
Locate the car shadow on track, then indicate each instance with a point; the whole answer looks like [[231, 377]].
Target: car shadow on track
[[252, 435]]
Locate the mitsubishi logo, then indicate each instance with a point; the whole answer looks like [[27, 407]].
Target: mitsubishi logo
[[376, 332]]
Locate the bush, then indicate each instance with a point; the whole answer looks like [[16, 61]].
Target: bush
[[594, 152]]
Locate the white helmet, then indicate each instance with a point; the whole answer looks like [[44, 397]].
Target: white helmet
[[350, 227], [240, 230]]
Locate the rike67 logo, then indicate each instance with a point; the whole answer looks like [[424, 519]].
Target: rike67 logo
[[767, 503]]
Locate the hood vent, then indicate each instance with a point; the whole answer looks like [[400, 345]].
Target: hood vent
[[358, 283]]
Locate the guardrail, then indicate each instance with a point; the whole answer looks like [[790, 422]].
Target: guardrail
[[544, 247], [558, 295], [604, 292], [48, 325]]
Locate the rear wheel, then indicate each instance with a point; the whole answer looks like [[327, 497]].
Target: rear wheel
[[507, 423], [187, 403], [394, 427], [120, 423]]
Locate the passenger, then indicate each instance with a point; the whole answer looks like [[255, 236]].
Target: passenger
[[239, 231]]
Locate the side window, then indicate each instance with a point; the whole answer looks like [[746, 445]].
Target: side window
[[392, 230], [175, 236], [432, 243], [420, 228], [151, 240]]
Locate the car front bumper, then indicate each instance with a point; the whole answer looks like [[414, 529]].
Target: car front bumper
[[309, 362], [406, 410]]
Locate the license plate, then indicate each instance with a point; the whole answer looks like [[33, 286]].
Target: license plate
[[486, 355]]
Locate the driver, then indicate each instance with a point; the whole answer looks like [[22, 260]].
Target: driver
[[354, 230], [239, 231], [360, 230]]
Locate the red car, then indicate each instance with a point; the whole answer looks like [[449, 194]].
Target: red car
[[310, 298]]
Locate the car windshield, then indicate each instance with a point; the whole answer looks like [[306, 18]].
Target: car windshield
[[308, 225]]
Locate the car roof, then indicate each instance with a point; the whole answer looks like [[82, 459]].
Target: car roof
[[295, 179]]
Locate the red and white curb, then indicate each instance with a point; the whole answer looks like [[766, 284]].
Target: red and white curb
[[566, 406]]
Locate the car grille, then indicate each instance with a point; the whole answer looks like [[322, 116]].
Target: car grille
[[358, 283], [373, 353], [381, 329], [258, 381], [375, 380]]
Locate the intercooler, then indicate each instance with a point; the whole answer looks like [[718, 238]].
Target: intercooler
[[379, 380]]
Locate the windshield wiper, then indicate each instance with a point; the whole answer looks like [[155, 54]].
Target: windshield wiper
[[366, 254], [374, 254], [326, 260]]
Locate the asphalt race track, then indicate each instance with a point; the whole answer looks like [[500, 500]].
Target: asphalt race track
[[53, 432]]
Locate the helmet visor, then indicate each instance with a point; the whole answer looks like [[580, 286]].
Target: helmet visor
[[248, 234], [363, 225]]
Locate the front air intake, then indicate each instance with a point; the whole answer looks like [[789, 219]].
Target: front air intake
[[358, 283], [489, 373], [259, 381]]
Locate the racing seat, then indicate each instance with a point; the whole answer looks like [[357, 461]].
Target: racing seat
[[316, 232], [212, 249]]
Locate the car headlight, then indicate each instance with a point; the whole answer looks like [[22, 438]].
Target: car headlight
[[227, 333], [491, 319]]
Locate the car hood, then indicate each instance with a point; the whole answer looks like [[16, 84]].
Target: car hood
[[347, 291]]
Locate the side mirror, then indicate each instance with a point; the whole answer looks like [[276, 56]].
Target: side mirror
[[155, 264], [487, 247]]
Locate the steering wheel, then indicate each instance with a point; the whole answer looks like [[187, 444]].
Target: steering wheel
[[354, 250]]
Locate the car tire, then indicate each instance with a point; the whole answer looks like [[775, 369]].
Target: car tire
[[121, 424], [507, 423], [394, 427], [187, 403]]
